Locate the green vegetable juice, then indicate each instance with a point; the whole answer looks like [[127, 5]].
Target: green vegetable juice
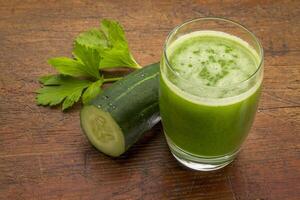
[[208, 95]]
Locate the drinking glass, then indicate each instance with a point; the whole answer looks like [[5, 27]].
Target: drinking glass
[[203, 130]]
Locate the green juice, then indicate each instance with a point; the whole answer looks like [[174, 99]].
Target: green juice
[[208, 95]]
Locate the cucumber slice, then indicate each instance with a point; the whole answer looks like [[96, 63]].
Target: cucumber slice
[[102, 131], [118, 117]]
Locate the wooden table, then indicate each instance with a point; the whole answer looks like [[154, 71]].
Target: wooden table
[[44, 154]]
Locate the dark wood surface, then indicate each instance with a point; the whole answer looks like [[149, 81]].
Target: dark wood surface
[[44, 154]]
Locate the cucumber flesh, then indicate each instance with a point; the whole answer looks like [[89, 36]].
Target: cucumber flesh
[[102, 131]]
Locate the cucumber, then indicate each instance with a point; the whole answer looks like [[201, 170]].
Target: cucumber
[[117, 117]]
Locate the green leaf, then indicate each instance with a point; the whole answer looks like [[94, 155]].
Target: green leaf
[[113, 32], [115, 57], [110, 42], [59, 89], [44, 79], [118, 55], [71, 99], [54, 79], [98, 48], [89, 57], [68, 66], [94, 38], [92, 91]]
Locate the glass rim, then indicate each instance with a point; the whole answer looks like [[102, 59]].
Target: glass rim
[[257, 41]]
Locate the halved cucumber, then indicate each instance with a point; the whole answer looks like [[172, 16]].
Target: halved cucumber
[[117, 117]]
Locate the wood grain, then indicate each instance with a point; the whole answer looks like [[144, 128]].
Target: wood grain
[[44, 154]]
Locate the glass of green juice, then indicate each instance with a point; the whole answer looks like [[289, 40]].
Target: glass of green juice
[[210, 83]]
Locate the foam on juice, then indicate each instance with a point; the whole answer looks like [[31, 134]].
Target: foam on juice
[[207, 61]]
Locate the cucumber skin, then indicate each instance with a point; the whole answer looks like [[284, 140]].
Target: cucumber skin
[[133, 102]]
